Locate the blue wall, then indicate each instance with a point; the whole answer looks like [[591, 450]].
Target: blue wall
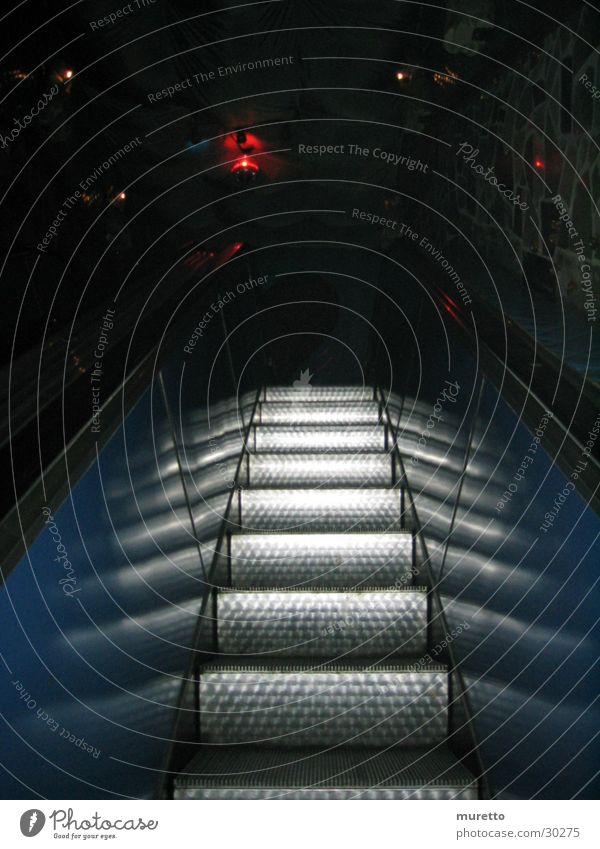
[[103, 662], [102, 656]]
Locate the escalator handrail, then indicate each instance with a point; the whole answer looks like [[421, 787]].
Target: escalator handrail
[[191, 673], [581, 391], [433, 588]]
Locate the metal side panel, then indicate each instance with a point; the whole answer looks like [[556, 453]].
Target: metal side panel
[[321, 509], [260, 773], [319, 393], [317, 439], [303, 705], [316, 413], [334, 560], [318, 623], [292, 470]]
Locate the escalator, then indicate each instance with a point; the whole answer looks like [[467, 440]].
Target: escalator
[[310, 591], [211, 590], [321, 684]]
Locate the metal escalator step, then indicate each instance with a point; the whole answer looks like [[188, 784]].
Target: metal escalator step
[[249, 772], [286, 704], [292, 470], [317, 413], [321, 509], [317, 439], [373, 623], [325, 394], [316, 560]]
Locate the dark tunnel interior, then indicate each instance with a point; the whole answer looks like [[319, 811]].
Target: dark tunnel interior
[[294, 282]]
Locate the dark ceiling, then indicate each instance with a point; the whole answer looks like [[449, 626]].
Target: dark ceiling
[[336, 84], [134, 172]]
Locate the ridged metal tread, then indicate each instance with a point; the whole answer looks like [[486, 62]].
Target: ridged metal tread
[[317, 413], [368, 623], [244, 772], [318, 470], [276, 666], [314, 439], [324, 589], [434, 794], [321, 509], [276, 684], [318, 393], [344, 705], [380, 559]]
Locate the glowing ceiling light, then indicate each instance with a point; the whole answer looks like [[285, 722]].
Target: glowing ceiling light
[[245, 170]]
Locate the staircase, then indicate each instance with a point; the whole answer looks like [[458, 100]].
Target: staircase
[[315, 690]]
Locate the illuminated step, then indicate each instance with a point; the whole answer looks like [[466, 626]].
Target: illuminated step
[[322, 560], [321, 509], [293, 703], [373, 623], [306, 438], [252, 772], [316, 413], [321, 394], [296, 470]]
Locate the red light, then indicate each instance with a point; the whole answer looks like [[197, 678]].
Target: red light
[[245, 170], [539, 164], [243, 143], [245, 165]]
